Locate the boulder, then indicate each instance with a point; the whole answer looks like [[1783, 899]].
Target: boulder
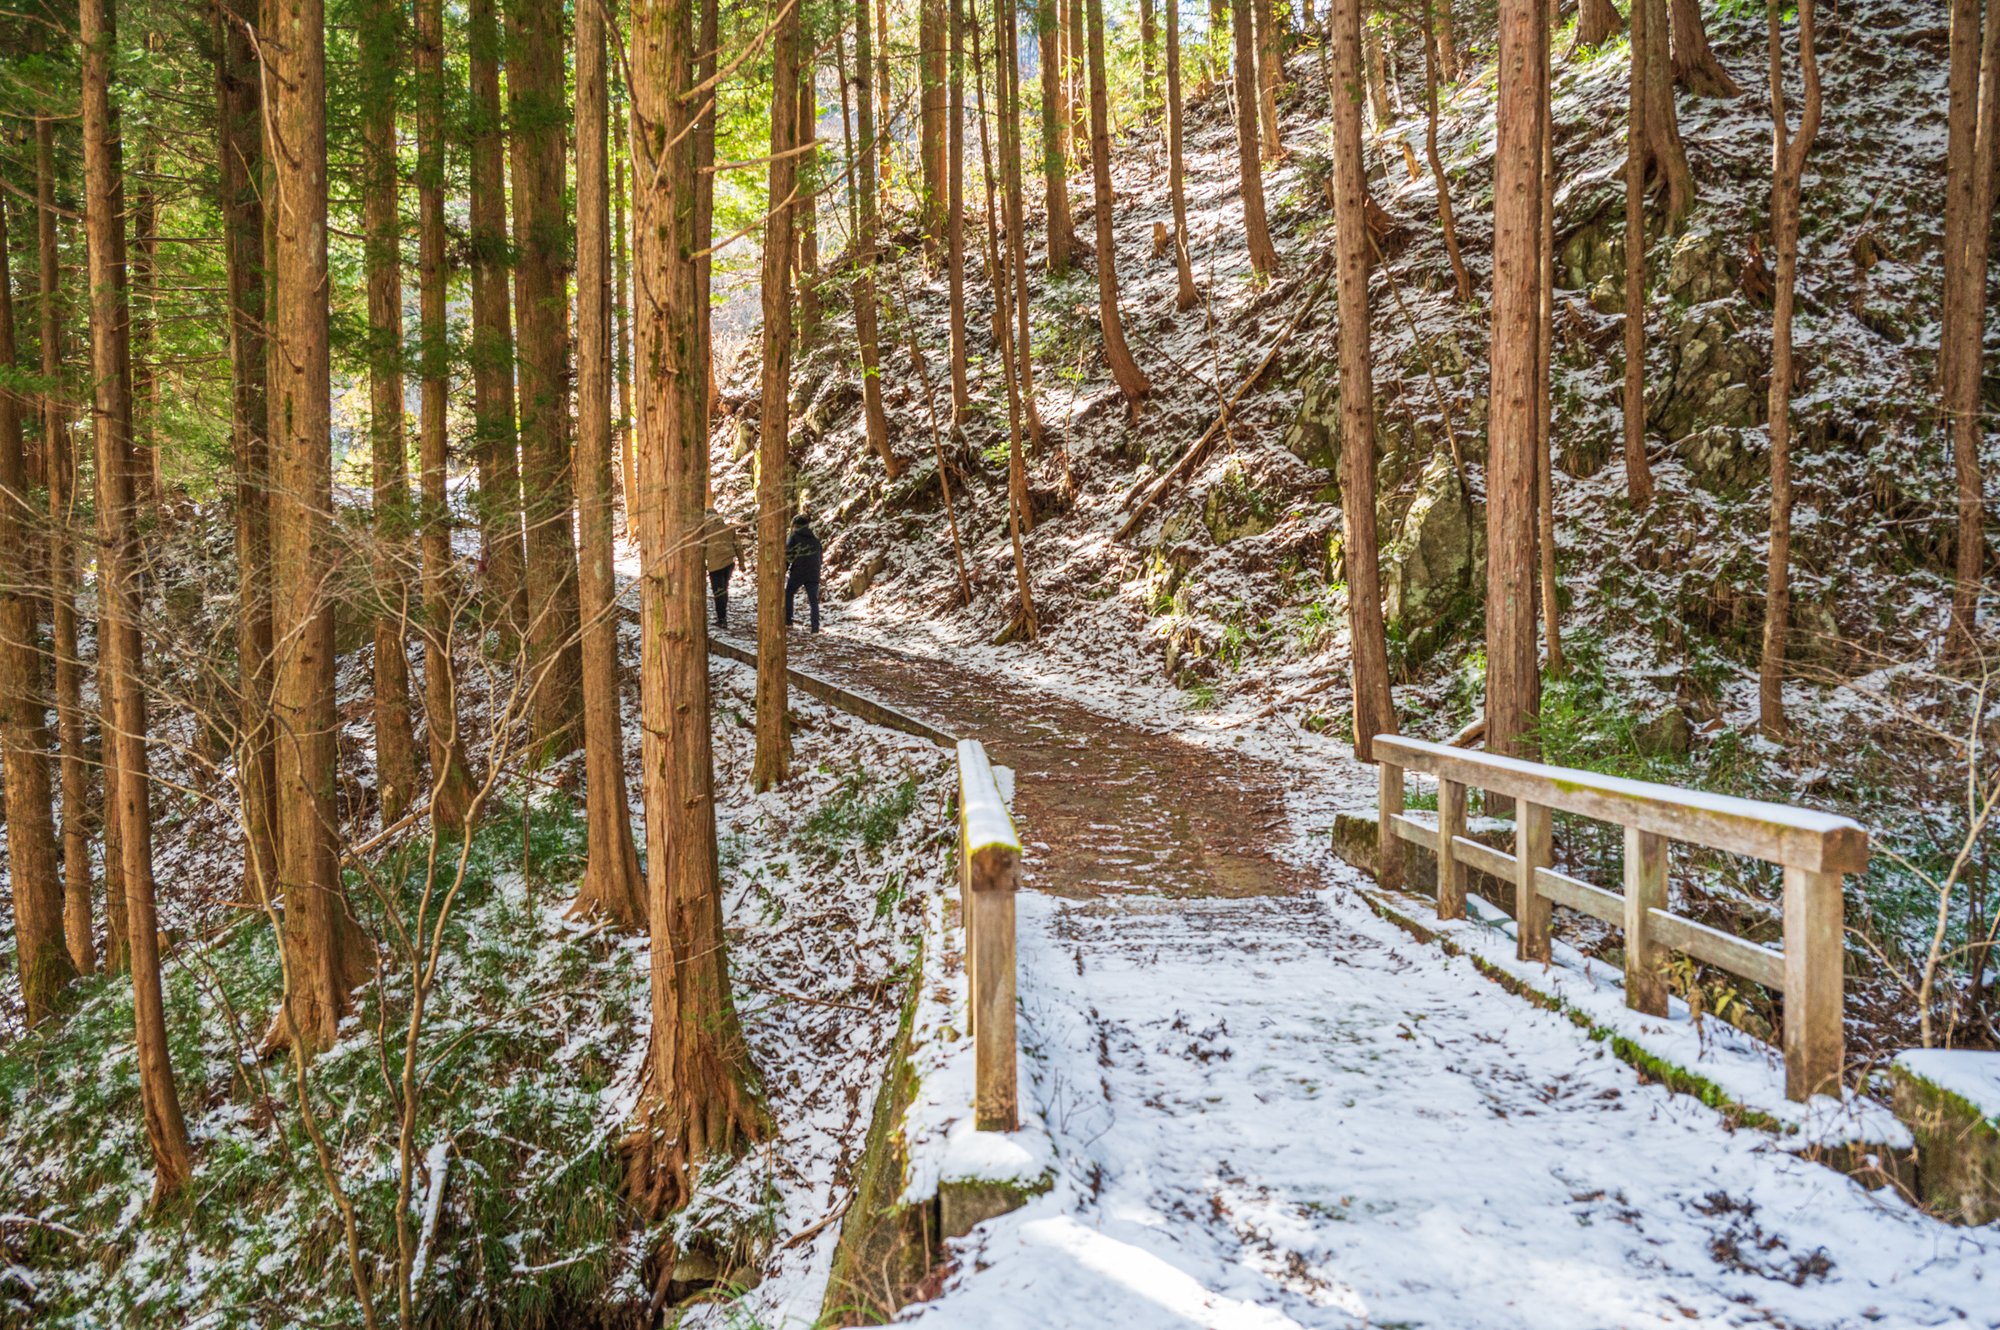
[[1432, 565], [1723, 459], [1314, 436], [1715, 378], [1235, 507], [1592, 254], [1700, 270]]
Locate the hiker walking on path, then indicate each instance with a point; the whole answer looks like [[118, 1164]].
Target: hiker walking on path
[[718, 543], [802, 554]]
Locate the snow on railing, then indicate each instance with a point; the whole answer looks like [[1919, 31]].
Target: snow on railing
[[1814, 850], [989, 872]]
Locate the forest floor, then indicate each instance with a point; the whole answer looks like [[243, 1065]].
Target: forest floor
[[1271, 1108]]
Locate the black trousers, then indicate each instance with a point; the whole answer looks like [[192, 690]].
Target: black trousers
[[718, 582], [803, 574]]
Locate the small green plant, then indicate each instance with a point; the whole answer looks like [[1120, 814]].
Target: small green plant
[[858, 809]]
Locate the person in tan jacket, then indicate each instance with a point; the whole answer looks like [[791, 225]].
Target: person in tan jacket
[[718, 547]]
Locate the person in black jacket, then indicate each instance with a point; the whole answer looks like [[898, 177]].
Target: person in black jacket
[[802, 552]]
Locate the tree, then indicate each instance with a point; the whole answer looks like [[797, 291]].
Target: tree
[[1263, 257], [1147, 45], [1513, 681], [1788, 164], [772, 763], [1597, 22], [1545, 325], [44, 959], [1447, 42], [1973, 119], [805, 225], [621, 312], [611, 884], [1638, 155], [864, 251], [1666, 164], [1447, 222], [961, 386], [541, 320], [1055, 125], [1007, 77], [1270, 73], [396, 774], [1374, 709], [700, 1097], [1185, 294], [119, 649], [1125, 371], [1695, 65], [931, 58], [492, 351]]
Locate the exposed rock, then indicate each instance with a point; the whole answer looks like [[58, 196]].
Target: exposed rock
[[1314, 436], [1607, 294], [1699, 270], [1429, 569], [1715, 378], [1235, 507], [1667, 734], [1593, 254], [1723, 459], [864, 576]]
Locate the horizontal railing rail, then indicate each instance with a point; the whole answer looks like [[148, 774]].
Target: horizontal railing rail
[[1815, 850]]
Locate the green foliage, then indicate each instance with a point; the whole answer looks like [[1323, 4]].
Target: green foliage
[[859, 809]]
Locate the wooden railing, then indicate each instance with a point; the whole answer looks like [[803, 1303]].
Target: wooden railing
[[1813, 849], [989, 873]]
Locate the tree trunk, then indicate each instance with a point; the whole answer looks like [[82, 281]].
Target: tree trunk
[[704, 199], [772, 764], [44, 958], [451, 781], [884, 117], [1597, 22], [1079, 82], [961, 386], [700, 1097], [1638, 155], [492, 352], [611, 885], [1263, 257], [621, 317], [1270, 73], [864, 250], [59, 470], [1695, 65], [805, 225], [1125, 371], [125, 737], [396, 774], [1447, 42], [1447, 222], [1512, 676], [1147, 45], [1378, 83], [541, 316], [1185, 294], [1788, 164], [931, 107], [1973, 118], [1009, 72], [1667, 158], [1545, 299], [1374, 711], [145, 250], [1055, 169], [326, 952]]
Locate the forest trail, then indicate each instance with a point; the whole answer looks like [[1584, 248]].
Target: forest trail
[[1271, 1109]]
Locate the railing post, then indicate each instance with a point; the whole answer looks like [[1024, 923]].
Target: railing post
[[1531, 908], [1451, 873], [1815, 1043], [1645, 889], [1388, 845], [990, 956]]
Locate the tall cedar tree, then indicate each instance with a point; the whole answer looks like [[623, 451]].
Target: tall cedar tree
[[1447, 42], [1185, 294], [1270, 72], [805, 226], [240, 136], [396, 773], [492, 351], [1055, 169], [1079, 81], [1974, 118], [1695, 65], [700, 1097], [1545, 321], [541, 319], [611, 885], [1374, 710], [1147, 45], [1638, 156], [59, 471], [621, 307], [451, 780], [864, 248], [704, 198], [773, 757], [1125, 371], [326, 953], [1262, 256], [961, 384], [931, 59], [118, 575], [1513, 683], [1447, 221], [46, 966], [1597, 22], [1788, 165], [1008, 36]]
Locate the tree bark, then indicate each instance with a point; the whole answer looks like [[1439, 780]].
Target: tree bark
[[1447, 42], [1125, 371], [59, 472], [1973, 118], [1638, 155], [1545, 322], [1008, 37], [773, 760], [1597, 22], [1695, 65], [1513, 681], [1185, 294], [961, 386], [451, 781], [1447, 222], [931, 108], [1270, 73], [706, 42], [125, 736], [611, 885], [1147, 45], [621, 316], [805, 225], [1055, 168], [44, 958], [541, 315], [325, 951], [1667, 164], [492, 352], [1374, 710], [1263, 257], [396, 774], [877, 423], [1079, 82], [1788, 164], [700, 1097], [145, 251]]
